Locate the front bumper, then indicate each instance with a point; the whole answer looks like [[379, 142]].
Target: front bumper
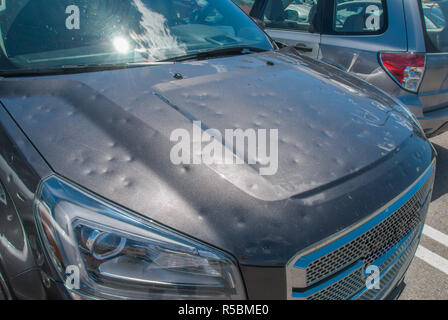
[[349, 280]]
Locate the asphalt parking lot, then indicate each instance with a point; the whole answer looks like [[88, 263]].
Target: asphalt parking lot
[[427, 277]]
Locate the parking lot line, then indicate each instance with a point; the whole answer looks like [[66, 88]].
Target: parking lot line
[[435, 235], [432, 259]]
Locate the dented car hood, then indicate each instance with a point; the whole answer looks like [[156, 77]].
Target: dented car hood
[[338, 138]]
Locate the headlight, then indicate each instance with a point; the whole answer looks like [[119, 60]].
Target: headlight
[[121, 255]]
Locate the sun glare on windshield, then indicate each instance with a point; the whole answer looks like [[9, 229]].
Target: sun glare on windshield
[[121, 45]]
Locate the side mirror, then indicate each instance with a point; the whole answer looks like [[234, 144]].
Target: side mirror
[[260, 23]]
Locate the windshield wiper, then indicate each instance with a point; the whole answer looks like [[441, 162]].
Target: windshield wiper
[[70, 69], [218, 52]]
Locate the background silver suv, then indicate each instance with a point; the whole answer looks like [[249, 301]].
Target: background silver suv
[[400, 46]]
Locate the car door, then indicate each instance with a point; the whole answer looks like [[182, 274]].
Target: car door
[[292, 22], [433, 93], [355, 31]]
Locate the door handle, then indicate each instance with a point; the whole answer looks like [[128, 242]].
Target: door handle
[[303, 47]]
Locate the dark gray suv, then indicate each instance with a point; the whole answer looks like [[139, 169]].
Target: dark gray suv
[[400, 46], [109, 113]]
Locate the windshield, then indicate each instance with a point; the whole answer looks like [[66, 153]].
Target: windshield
[[37, 34]]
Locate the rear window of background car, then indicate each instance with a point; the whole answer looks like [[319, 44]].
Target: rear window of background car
[[359, 17], [435, 15]]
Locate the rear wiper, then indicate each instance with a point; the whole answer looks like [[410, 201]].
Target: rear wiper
[[70, 69], [200, 55]]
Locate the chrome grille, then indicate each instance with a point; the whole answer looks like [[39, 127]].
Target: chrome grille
[[355, 282], [343, 289], [388, 240], [375, 242], [403, 261]]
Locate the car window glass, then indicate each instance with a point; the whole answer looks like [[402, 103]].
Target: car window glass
[[435, 15], [51, 34], [246, 5], [297, 15], [359, 16]]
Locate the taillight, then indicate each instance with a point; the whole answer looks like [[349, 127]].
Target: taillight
[[407, 69]]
